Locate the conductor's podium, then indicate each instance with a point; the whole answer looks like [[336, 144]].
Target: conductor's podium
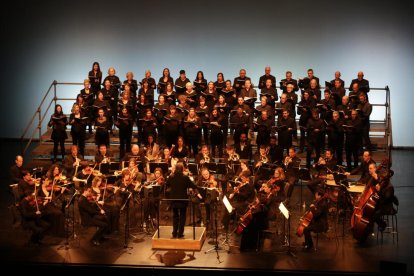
[[193, 240]]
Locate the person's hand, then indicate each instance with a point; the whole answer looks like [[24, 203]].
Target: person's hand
[[102, 212]]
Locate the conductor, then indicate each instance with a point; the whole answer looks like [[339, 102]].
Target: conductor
[[177, 184]]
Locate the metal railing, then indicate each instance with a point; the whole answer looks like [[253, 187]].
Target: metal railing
[[45, 104]]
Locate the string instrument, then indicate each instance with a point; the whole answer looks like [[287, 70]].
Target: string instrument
[[307, 218], [365, 208]]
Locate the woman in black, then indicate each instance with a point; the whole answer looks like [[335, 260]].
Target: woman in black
[[78, 129], [162, 82], [179, 152], [200, 83], [95, 77], [169, 94], [192, 131], [160, 110], [102, 126], [88, 96], [172, 124], [148, 93], [149, 125], [58, 122], [219, 84], [124, 124], [133, 84]]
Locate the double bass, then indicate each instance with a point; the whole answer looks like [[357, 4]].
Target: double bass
[[307, 218], [365, 208]]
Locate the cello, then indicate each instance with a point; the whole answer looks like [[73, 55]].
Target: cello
[[307, 218], [365, 208]]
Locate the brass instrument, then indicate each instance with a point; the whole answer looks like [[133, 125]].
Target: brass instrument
[[264, 159], [105, 160], [234, 157], [288, 159], [206, 158]]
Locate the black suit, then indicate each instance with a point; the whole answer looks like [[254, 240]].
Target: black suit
[[178, 185]]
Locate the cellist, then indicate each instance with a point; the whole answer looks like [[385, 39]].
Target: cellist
[[319, 222]]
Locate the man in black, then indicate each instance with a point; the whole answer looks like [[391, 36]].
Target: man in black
[[324, 166], [335, 133], [315, 134], [363, 84], [243, 148], [178, 184], [72, 161], [180, 83], [263, 126], [353, 139], [304, 83], [365, 110], [289, 80], [363, 168], [286, 127], [267, 76], [16, 170], [238, 83], [291, 164]]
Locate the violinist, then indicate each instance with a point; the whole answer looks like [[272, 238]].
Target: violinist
[[319, 222], [26, 185], [33, 218], [243, 194], [92, 215], [209, 196], [85, 175], [152, 198], [53, 191], [104, 195]]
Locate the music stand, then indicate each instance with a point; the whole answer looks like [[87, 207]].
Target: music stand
[[104, 168], [114, 166], [287, 216], [127, 234], [221, 168], [303, 175], [211, 166], [162, 165], [193, 168], [66, 210], [216, 246]]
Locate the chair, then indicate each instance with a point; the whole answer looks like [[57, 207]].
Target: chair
[[392, 228]]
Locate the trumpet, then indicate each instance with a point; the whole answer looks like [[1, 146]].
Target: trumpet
[[234, 157], [288, 159], [105, 160], [206, 158], [264, 159]]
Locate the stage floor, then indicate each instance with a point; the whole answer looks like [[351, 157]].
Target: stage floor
[[336, 253]]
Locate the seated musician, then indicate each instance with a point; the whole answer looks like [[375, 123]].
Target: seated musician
[[324, 166], [26, 185], [243, 194], [105, 196], [85, 175], [363, 167], [135, 153], [203, 156], [291, 164], [278, 182], [380, 180], [319, 221], [52, 194], [72, 161], [208, 184], [263, 210], [261, 161], [151, 201], [92, 215], [103, 155], [130, 193], [34, 218]]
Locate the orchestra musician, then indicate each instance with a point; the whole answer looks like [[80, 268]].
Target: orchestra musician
[[243, 148], [363, 168], [275, 151], [262, 211], [72, 162], [103, 155], [324, 166], [26, 185], [135, 153], [207, 183], [203, 156], [291, 164], [92, 215], [243, 194], [319, 222], [261, 160], [151, 152], [105, 196], [16, 170], [33, 218], [151, 201]]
